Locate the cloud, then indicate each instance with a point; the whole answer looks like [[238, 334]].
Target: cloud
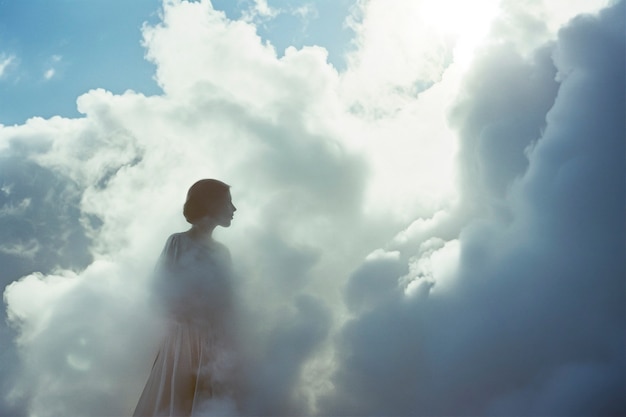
[[533, 323], [130, 160], [306, 11], [52, 70], [5, 63], [370, 283], [259, 10], [49, 73]]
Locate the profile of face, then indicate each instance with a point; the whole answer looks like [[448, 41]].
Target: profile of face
[[224, 214]]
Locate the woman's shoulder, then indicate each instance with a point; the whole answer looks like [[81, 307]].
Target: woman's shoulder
[[182, 242], [174, 245], [173, 240]]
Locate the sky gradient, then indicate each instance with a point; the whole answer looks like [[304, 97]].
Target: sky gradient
[[430, 199]]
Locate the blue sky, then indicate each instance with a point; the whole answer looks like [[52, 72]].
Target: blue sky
[[97, 44], [87, 44]]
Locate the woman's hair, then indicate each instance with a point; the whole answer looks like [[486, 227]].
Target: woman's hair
[[205, 197]]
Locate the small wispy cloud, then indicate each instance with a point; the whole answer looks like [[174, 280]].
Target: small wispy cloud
[[15, 209], [306, 11], [49, 73], [263, 9], [52, 70], [260, 10], [22, 249], [5, 62]]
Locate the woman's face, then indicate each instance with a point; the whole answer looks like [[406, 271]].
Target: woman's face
[[224, 214]]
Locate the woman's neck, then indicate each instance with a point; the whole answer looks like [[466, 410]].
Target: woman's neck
[[202, 232]]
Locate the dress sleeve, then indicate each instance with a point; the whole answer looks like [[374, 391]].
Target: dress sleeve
[[170, 253], [162, 288]]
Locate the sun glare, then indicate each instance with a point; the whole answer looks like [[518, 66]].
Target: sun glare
[[467, 21]]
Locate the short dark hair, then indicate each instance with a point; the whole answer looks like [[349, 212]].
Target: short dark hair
[[204, 197]]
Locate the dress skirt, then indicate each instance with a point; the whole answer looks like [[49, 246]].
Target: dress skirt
[[190, 371]]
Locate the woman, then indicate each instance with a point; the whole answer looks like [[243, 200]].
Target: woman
[[194, 368]]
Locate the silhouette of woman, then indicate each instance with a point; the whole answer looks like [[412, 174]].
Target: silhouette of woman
[[195, 363]]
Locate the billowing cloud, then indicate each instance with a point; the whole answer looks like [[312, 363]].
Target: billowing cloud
[[419, 237], [533, 323]]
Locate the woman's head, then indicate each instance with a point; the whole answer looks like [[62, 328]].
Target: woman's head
[[210, 198]]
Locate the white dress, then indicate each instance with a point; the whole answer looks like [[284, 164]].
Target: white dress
[[193, 373]]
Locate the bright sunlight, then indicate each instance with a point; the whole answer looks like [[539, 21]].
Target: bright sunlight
[[467, 21]]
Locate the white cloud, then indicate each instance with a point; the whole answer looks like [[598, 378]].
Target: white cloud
[[53, 64], [5, 62], [12, 209], [512, 333], [263, 9], [436, 264], [260, 11], [49, 73], [28, 249], [306, 11]]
